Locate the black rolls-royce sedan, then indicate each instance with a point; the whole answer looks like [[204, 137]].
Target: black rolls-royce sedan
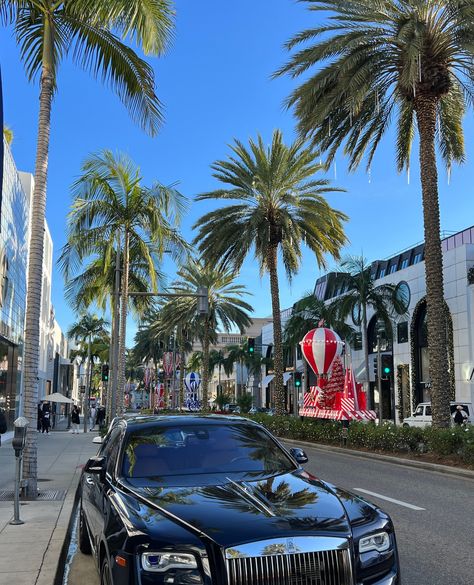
[[201, 500]]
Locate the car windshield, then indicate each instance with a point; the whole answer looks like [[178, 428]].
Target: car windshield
[[202, 449]]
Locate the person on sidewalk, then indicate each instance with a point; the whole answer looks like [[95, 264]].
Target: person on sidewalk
[[75, 420], [46, 422], [92, 415], [40, 416], [460, 416]]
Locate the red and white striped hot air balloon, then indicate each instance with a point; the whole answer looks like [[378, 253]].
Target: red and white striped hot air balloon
[[320, 348]]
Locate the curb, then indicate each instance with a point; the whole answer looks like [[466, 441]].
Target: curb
[[436, 467]]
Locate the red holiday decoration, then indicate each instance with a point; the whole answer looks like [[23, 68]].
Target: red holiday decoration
[[320, 348], [327, 395]]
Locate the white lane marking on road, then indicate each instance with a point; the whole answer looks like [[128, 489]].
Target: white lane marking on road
[[399, 502]]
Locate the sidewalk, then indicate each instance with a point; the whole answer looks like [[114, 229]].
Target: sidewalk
[[29, 553]]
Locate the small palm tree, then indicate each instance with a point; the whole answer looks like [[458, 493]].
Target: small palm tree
[[237, 355], [87, 328], [374, 62], [91, 33], [111, 210], [170, 334], [360, 294], [280, 207], [217, 359], [226, 307]]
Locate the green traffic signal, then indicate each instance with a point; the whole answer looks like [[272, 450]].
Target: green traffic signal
[[297, 380], [251, 345]]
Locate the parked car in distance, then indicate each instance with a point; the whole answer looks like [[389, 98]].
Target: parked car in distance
[[216, 499], [259, 409], [422, 416], [235, 408]]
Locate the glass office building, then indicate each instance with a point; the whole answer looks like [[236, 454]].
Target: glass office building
[[13, 269]]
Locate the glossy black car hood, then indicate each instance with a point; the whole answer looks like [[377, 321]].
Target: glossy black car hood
[[231, 511]]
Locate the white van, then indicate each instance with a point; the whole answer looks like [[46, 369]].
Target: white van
[[422, 415]]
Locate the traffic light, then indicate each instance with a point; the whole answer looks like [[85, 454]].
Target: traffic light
[[105, 372], [298, 378], [376, 368], [387, 366], [251, 345]]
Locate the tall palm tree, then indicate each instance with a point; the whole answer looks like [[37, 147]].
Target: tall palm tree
[[227, 309], [280, 206], [409, 60], [83, 331], [92, 33], [361, 293], [94, 283], [99, 350], [112, 209]]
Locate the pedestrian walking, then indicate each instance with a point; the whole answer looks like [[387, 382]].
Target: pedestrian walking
[[46, 422], [75, 420], [100, 416], [3, 424], [460, 416], [92, 415], [39, 416]]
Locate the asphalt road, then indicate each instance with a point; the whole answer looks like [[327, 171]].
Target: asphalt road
[[436, 543], [433, 516]]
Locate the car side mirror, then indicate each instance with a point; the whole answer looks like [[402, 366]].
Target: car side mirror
[[299, 455], [96, 466]]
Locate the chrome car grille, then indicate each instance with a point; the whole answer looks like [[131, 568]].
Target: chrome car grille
[[291, 565]]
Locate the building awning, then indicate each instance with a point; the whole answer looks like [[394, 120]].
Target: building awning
[[267, 380], [286, 377]]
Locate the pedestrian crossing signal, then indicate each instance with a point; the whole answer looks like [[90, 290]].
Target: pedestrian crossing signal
[[105, 372]]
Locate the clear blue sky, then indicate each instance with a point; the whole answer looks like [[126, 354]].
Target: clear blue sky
[[215, 84]]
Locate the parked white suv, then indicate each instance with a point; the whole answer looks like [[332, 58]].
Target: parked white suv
[[422, 415]]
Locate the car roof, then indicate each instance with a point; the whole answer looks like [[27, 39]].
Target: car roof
[[180, 420]]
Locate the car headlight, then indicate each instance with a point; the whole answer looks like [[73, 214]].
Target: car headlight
[[379, 542], [159, 562]]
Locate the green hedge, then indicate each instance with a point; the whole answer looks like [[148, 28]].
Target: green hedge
[[457, 442]]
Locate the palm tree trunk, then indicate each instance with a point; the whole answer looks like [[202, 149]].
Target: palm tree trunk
[[370, 403], [181, 374], [277, 338], [115, 307], [123, 324], [205, 367], [87, 393], [425, 108], [35, 274]]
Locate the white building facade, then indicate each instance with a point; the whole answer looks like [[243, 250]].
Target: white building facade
[[53, 370], [406, 345]]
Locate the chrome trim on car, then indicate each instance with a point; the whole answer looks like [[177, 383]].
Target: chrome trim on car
[[286, 546], [294, 560]]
